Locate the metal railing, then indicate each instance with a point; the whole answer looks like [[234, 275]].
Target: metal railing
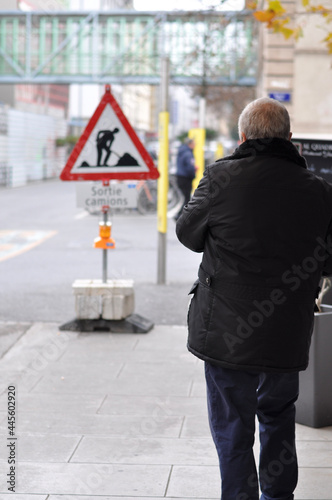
[[204, 47]]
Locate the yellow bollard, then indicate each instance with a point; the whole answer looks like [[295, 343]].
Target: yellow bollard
[[163, 171], [198, 134], [219, 152]]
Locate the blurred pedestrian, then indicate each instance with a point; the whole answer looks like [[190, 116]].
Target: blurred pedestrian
[[264, 224], [185, 171]]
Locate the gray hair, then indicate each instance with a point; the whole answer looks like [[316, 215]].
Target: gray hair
[[188, 140], [264, 118]]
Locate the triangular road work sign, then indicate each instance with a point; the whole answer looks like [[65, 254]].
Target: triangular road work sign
[[109, 148]]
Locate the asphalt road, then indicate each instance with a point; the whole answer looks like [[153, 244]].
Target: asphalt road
[[46, 243]]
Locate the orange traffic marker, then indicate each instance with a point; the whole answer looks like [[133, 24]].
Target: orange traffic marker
[[104, 240]]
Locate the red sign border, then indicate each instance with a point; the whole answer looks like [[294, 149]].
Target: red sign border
[[67, 175]]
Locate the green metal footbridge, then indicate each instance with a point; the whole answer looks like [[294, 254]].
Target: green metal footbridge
[[204, 47]]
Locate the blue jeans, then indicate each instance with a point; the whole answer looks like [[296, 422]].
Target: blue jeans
[[234, 398]]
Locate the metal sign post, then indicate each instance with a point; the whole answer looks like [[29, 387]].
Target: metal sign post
[[163, 171], [104, 241], [106, 223]]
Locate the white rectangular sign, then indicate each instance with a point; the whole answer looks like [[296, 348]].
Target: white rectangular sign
[[93, 195]]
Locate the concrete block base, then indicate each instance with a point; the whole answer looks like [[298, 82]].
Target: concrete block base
[[94, 299], [132, 324]]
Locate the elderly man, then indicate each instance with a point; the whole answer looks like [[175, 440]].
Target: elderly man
[[264, 225]]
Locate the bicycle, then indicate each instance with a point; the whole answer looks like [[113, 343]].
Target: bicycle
[[147, 197]]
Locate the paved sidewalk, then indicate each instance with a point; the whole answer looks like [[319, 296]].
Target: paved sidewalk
[[119, 417]]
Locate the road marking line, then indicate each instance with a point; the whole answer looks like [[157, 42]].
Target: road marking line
[[8, 247], [81, 215]]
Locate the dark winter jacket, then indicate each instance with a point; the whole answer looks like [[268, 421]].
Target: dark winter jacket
[[263, 223], [185, 162]]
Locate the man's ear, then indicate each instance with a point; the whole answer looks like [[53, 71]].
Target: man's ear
[[290, 136], [243, 137]]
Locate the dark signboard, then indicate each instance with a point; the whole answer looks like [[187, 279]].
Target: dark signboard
[[318, 154]]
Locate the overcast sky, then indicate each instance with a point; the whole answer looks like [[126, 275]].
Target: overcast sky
[[165, 5], [185, 4]]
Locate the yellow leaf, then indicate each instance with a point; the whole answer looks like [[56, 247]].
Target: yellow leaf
[[318, 8], [276, 6], [264, 16], [287, 32], [278, 26], [328, 38], [279, 23], [285, 21], [298, 32], [252, 5], [305, 3]]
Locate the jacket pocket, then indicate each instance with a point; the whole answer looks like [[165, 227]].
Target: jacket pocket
[[192, 292], [194, 287], [199, 315]]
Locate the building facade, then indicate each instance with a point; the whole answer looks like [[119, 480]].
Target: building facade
[[33, 116], [299, 73]]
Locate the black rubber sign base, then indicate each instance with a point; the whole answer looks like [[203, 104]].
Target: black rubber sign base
[[131, 324]]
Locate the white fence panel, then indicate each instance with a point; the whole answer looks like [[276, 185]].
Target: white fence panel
[[31, 147], [3, 145]]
